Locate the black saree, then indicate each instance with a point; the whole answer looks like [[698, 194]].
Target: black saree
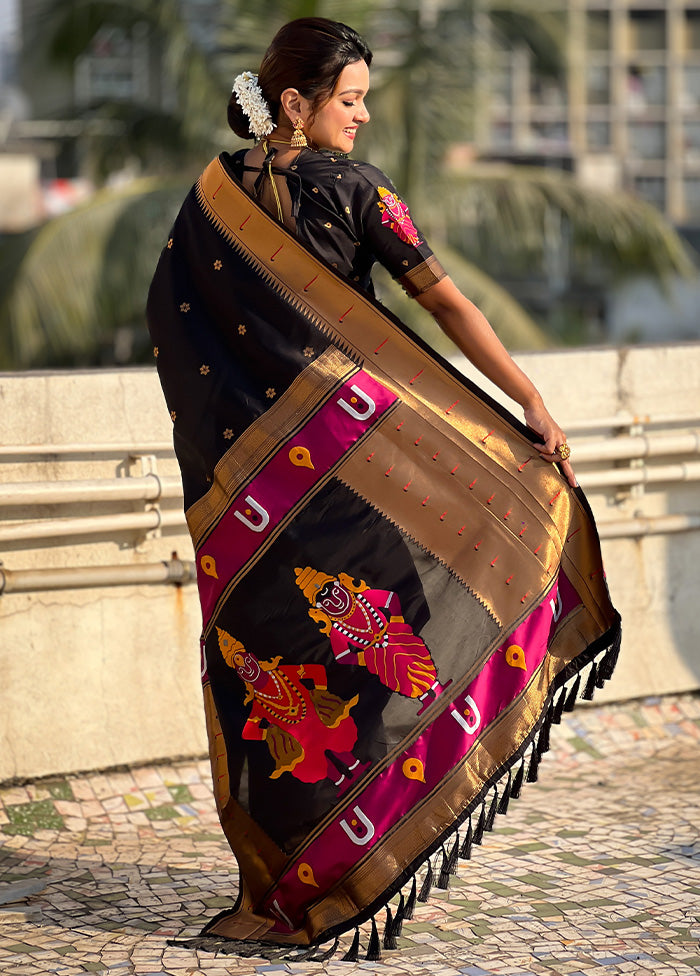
[[399, 597]]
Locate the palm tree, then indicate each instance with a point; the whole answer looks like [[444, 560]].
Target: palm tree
[[69, 285]]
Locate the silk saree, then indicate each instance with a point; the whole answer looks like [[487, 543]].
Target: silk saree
[[399, 597]]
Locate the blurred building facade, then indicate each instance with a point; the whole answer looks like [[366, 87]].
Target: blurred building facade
[[628, 113]]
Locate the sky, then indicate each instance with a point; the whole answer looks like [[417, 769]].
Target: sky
[[8, 16]]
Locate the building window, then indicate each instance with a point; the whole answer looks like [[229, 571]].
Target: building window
[[598, 30], [647, 139], [598, 85], [598, 134], [652, 189], [647, 30], [691, 189], [692, 30], [691, 141], [115, 69], [691, 88]]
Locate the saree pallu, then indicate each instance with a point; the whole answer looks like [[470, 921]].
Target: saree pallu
[[399, 597]]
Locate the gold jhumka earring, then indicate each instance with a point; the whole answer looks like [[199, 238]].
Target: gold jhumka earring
[[298, 139]]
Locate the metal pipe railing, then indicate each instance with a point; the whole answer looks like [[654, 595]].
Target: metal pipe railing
[[174, 571], [624, 420], [148, 487], [618, 477], [92, 525], [115, 449], [653, 525], [630, 448]]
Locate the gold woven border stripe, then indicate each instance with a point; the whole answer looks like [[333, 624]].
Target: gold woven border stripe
[[353, 322], [250, 451]]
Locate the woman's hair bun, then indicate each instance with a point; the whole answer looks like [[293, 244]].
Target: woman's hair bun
[[307, 54]]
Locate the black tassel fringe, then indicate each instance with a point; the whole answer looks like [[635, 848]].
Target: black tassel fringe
[[534, 766], [374, 953], [453, 860], [518, 780], [491, 816], [353, 953], [591, 683], [600, 672], [389, 940], [573, 695], [399, 917], [559, 707], [424, 892], [443, 880], [411, 903], [466, 849], [479, 832], [505, 795]]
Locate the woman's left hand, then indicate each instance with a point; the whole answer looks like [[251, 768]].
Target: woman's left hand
[[539, 419]]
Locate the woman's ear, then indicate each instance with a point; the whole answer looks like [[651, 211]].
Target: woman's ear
[[292, 103]]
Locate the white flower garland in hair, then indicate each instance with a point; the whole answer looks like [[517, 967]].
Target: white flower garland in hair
[[250, 98]]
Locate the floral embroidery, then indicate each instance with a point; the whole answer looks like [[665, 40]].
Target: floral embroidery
[[218, 265], [185, 307], [270, 393], [155, 351], [170, 243], [241, 330], [228, 433], [204, 370], [395, 215], [173, 415], [308, 351]]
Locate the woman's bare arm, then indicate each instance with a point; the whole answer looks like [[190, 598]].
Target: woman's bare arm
[[469, 329]]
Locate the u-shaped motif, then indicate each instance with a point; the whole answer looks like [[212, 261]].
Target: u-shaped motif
[[369, 828], [370, 405], [471, 724], [264, 515]]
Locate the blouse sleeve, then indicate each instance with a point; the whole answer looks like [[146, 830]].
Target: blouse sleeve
[[389, 232]]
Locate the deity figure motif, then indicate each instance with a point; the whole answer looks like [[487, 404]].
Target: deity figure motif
[[307, 729], [366, 627], [396, 216]]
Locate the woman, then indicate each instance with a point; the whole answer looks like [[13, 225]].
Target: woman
[[396, 581]]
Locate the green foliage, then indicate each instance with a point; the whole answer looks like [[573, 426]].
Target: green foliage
[[69, 286]]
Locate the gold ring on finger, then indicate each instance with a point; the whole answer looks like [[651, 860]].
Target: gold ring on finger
[[564, 451]]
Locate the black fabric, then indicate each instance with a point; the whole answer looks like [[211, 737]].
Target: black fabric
[[338, 211]]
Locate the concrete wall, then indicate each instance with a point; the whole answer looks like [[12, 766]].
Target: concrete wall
[[97, 677]]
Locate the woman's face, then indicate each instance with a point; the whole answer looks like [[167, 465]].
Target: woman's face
[[335, 124]]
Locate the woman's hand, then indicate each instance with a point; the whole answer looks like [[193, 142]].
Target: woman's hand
[[538, 418], [462, 321]]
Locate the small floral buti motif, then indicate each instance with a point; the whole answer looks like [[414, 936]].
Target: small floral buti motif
[[185, 306], [170, 243], [308, 351], [218, 265], [241, 330], [396, 216], [270, 393], [204, 370], [228, 433], [155, 352], [173, 416]]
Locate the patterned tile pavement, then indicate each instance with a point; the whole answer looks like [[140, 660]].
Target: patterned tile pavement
[[595, 870]]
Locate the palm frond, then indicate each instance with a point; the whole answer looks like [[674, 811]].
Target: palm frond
[[515, 328], [72, 283], [506, 211]]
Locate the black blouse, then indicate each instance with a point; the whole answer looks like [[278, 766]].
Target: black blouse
[[348, 213]]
